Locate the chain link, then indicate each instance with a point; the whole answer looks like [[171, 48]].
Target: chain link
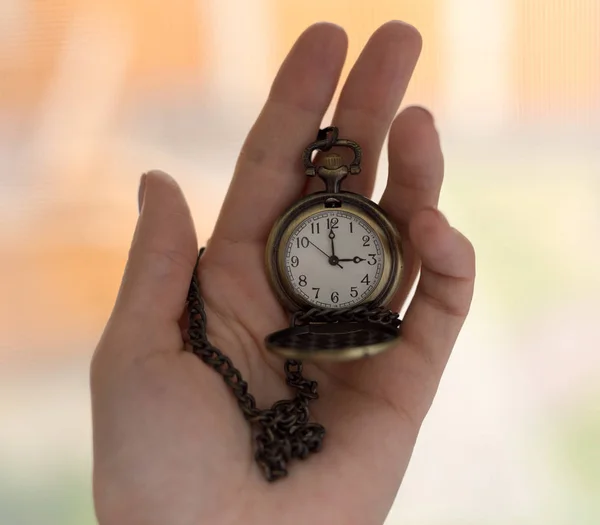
[[331, 134], [285, 431]]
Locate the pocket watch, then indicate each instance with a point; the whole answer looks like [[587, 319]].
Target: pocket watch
[[334, 260]]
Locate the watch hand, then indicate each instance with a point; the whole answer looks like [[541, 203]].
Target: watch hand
[[327, 255], [332, 236], [354, 259]]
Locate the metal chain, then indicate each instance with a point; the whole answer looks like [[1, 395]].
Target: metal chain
[[285, 429], [359, 313]]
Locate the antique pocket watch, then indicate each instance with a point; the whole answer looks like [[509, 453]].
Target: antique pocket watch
[[334, 260]]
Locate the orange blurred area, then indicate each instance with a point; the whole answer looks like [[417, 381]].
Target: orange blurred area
[[561, 62], [67, 289], [158, 51]]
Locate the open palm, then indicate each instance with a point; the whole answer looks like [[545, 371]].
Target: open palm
[[170, 443]]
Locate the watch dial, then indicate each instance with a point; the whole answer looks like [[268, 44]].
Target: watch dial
[[334, 259]]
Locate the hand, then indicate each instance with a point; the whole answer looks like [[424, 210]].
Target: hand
[[332, 237], [354, 259], [170, 443]]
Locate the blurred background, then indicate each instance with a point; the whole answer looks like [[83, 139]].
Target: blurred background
[[94, 93]]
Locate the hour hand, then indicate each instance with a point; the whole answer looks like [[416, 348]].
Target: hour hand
[[354, 260]]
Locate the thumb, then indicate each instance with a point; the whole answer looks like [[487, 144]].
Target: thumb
[[443, 296], [162, 256]]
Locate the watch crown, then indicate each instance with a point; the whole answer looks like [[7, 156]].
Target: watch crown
[[333, 161]]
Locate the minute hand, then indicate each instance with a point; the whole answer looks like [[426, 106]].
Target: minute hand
[[332, 236]]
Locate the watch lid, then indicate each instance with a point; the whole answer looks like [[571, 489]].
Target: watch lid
[[336, 341]]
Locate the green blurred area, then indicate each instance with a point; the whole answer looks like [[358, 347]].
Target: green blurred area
[[61, 497], [533, 223], [577, 442]]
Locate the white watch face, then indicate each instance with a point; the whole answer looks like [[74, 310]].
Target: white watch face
[[334, 259]]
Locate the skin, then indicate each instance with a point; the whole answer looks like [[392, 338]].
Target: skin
[[170, 444]]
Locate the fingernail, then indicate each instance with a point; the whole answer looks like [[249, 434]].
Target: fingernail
[[141, 191]]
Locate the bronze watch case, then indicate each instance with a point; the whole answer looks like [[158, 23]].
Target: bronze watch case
[[343, 340]]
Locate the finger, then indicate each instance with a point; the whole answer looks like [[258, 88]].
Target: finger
[[371, 96], [162, 256], [269, 174], [445, 289], [408, 376], [416, 172]]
